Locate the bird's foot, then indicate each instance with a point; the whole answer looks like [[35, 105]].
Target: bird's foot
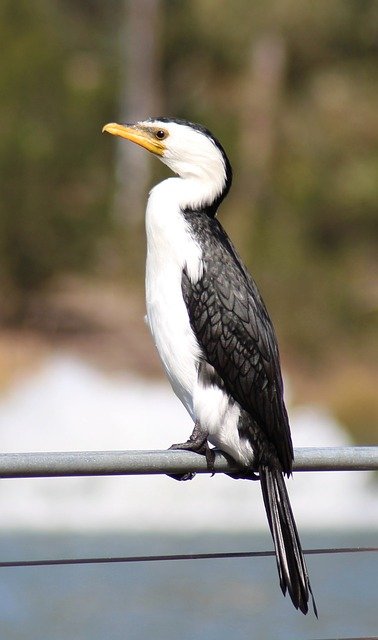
[[197, 443]]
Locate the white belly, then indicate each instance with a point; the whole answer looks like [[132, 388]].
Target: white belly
[[170, 328]]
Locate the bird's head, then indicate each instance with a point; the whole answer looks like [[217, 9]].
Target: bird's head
[[190, 150]]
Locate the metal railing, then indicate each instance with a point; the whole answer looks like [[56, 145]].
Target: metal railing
[[107, 463], [101, 463]]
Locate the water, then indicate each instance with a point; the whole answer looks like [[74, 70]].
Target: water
[[67, 405], [202, 600]]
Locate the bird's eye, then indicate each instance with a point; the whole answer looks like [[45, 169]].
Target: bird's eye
[[160, 134]]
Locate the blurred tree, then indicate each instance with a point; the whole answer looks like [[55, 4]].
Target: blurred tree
[[54, 93], [140, 98]]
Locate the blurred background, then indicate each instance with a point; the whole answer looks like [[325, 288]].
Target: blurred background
[[290, 88]]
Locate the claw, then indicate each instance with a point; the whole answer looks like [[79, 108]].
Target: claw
[[210, 459]]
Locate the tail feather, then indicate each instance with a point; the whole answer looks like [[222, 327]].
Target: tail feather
[[292, 570]]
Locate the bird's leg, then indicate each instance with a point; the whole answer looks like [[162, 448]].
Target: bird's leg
[[197, 443]]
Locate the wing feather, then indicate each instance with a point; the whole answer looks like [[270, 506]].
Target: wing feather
[[236, 334]]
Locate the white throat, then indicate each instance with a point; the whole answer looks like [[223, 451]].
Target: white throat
[[197, 186]]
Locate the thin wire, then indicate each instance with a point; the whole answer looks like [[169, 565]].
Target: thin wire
[[183, 556]]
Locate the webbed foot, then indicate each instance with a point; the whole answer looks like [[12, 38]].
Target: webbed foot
[[197, 443]]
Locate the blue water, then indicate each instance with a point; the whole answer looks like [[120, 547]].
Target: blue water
[[202, 600]]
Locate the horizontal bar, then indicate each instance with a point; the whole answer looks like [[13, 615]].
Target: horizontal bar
[[100, 463]]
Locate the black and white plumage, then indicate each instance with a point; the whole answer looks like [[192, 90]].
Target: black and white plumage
[[212, 330]]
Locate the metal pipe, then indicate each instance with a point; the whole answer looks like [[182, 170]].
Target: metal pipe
[[98, 463]]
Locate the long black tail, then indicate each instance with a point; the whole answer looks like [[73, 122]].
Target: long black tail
[[291, 564]]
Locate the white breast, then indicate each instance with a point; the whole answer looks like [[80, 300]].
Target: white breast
[[170, 249]]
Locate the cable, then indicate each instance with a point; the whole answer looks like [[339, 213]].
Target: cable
[[184, 556]]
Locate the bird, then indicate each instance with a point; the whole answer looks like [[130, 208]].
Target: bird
[[212, 329]]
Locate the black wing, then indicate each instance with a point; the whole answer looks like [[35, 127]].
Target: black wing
[[236, 334]]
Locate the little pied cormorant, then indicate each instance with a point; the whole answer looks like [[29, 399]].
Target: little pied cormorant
[[212, 330]]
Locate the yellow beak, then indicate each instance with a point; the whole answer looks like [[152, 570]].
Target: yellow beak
[[141, 136]]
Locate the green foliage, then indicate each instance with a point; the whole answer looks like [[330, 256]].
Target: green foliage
[[54, 93]]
